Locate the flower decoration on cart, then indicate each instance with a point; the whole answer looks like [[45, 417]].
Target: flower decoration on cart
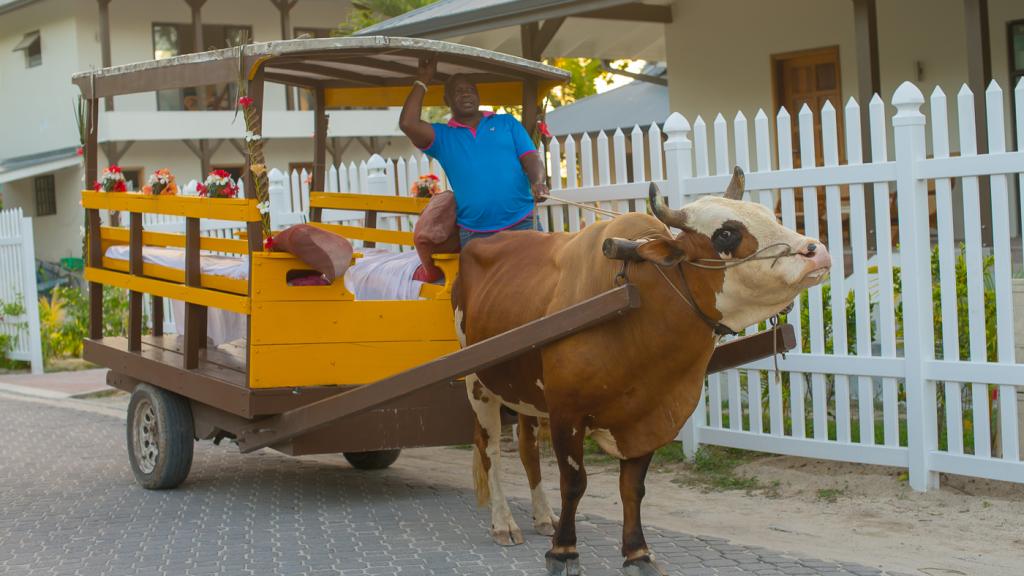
[[161, 183], [218, 184], [426, 186], [257, 164], [111, 181]]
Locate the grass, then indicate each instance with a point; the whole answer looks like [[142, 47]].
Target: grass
[[714, 470], [830, 495]]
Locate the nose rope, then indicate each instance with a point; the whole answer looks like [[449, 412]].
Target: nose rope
[[594, 209], [722, 264]]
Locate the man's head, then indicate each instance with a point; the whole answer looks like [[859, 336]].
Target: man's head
[[461, 96]]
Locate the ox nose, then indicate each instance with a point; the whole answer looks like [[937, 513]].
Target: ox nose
[[818, 254]]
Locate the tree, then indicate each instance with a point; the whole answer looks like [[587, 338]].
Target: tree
[[369, 12], [584, 74]]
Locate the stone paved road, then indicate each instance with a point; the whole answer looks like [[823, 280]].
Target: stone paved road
[[69, 505]]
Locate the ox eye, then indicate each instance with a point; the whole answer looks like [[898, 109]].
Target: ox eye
[[725, 240]]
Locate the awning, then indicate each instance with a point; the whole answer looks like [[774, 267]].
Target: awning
[[27, 42]]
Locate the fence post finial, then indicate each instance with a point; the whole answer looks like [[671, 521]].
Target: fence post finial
[[908, 100], [376, 179]]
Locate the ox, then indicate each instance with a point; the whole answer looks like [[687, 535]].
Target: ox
[[632, 382]]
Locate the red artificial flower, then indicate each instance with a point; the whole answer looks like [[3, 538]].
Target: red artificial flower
[[119, 186], [201, 189], [245, 102], [114, 169], [220, 173], [433, 177], [97, 186], [543, 127], [79, 151], [268, 244]]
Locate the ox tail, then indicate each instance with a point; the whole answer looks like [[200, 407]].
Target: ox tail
[[481, 481]]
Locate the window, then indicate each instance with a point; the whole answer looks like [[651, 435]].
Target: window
[[234, 169], [133, 178], [1015, 36], [32, 46], [1015, 47], [176, 39], [46, 195]]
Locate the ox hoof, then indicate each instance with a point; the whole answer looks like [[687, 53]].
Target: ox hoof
[[564, 564], [546, 527], [642, 566], [512, 537]]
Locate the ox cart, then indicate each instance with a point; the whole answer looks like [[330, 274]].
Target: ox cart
[[320, 371]]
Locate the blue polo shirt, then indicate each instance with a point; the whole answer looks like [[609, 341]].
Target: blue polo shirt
[[491, 189]]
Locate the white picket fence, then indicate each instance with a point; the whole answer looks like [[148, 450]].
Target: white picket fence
[[18, 284], [953, 411]]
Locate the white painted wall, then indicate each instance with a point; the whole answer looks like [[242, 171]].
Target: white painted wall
[[719, 51], [132, 37], [58, 235], [36, 103]]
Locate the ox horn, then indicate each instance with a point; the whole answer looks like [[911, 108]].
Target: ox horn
[[736, 185], [674, 218]]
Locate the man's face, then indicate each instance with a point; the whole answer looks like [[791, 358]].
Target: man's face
[[463, 98]]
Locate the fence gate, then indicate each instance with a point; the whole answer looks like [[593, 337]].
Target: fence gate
[[18, 285]]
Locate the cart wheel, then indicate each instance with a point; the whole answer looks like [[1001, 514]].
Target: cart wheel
[[373, 460], [159, 437]]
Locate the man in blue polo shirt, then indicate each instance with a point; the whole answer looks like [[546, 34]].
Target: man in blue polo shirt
[[495, 171]]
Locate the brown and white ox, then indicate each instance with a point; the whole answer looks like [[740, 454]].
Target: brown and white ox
[[629, 383]]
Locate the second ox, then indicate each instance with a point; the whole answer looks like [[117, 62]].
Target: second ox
[[632, 382]]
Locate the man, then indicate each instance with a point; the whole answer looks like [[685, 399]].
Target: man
[[491, 162]]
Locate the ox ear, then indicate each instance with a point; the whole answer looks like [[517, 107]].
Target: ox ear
[[736, 185], [662, 251]]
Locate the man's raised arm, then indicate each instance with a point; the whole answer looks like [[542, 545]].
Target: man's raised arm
[[419, 132]]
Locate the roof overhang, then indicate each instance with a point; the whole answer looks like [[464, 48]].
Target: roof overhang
[[353, 71], [39, 164], [12, 5], [609, 29]]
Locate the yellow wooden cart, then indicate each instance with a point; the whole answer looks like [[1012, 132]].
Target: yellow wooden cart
[[321, 372]]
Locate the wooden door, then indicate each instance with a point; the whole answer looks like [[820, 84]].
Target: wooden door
[[810, 77]]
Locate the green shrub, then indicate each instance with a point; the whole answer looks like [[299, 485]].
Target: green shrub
[[9, 341], [64, 319]]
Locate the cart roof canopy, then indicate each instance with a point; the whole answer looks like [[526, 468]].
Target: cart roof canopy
[[364, 71]]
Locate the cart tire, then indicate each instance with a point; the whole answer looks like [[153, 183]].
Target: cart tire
[[373, 460], [160, 437]]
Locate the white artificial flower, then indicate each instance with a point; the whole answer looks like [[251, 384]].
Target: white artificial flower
[[263, 207]]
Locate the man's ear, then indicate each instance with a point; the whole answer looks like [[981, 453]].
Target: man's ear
[[662, 251]]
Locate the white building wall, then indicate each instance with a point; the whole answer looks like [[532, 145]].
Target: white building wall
[[719, 51], [131, 38], [58, 235], [36, 104]]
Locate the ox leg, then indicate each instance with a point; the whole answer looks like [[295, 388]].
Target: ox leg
[[639, 559], [529, 452], [567, 440], [487, 464]]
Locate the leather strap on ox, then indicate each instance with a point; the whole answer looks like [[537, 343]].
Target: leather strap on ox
[[626, 251]]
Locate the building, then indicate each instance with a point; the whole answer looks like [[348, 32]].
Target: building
[[729, 56], [190, 131]]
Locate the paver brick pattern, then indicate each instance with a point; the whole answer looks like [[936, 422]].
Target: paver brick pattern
[[70, 506]]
